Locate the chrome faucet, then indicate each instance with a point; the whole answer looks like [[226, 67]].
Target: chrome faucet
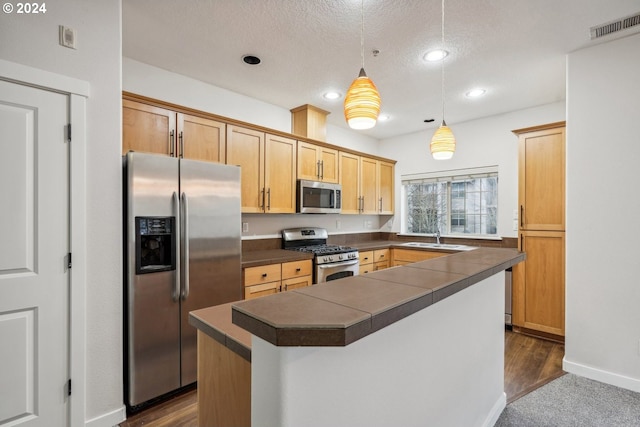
[[437, 236]]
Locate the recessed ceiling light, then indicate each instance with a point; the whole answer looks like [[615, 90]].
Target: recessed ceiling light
[[435, 55], [251, 59], [474, 93], [332, 95]]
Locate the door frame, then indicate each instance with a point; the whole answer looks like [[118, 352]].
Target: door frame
[[78, 92]]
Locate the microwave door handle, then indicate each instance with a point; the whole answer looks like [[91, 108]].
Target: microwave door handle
[[185, 240], [324, 266], [175, 206]]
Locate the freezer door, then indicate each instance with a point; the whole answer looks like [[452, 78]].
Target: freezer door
[[152, 307], [211, 246]]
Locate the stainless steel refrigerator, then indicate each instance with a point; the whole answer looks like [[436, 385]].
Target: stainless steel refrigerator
[[182, 253]]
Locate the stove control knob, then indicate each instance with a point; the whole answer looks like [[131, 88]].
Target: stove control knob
[[340, 257], [324, 259]]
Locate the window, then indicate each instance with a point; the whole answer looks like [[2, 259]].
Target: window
[[452, 202]]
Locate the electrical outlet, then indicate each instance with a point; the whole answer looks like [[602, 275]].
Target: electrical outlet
[[245, 227]]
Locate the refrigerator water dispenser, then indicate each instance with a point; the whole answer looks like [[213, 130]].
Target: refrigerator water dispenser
[[155, 244]]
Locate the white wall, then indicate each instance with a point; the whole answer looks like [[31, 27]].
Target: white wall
[[483, 142], [603, 231], [33, 40]]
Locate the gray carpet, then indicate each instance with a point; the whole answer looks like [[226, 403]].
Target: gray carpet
[[574, 401]]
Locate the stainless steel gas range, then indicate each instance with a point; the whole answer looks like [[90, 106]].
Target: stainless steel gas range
[[330, 262]]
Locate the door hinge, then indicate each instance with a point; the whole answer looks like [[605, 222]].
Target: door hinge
[[69, 260], [69, 132], [69, 387]]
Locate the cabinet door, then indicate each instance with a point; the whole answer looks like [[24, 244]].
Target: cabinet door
[[386, 200], [280, 174], [147, 129], [407, 256], [369, 185], [350, 181], [308, 161], [542, 179], [256, 291], [245, 148], [538, 282], [201, 139], [328, 164], [296, 283]]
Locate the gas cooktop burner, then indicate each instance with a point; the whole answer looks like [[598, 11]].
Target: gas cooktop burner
[[320, 250]]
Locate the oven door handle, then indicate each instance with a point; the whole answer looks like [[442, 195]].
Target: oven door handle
[[338, 264]]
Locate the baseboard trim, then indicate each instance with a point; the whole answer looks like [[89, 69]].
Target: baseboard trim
[[496, 411], [606, 377], [110, 419]]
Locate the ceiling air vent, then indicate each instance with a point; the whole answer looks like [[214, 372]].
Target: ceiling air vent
[[614, 26]]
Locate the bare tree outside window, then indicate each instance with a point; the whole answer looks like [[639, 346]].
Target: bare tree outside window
[[460, 206]]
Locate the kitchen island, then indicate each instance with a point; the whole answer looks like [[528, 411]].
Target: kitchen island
[[421, 344]]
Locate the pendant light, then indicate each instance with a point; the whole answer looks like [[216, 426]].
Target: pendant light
[[443, 143], [362, 101]]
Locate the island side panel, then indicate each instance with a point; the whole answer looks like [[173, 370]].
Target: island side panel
[[224, 385], [442, 366]]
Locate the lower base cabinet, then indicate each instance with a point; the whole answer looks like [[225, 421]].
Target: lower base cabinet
[[408, 256], [273, 278], [538, 283], [374, 260]]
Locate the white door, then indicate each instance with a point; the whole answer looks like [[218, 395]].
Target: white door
[[34, 242]]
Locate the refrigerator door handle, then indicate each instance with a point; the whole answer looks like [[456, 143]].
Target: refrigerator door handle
[[185, 241], [176, 285]]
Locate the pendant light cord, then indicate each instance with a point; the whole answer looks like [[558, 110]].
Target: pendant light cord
[[362, 32], [442, 64]]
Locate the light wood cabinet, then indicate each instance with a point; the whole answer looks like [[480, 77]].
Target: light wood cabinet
[[273, 278], [538, 282], [367, 185], [268, 169], [152, 129], [408, 256], [385, 181], [541, 179], [375, 260], [317, 163]]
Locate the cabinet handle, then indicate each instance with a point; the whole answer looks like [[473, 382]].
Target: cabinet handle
[[521, 215], [521, 241], [181, 145], [321, 170], [366, 258], [269, 199], [261, 206], [298, 270], [380, 204], [171, 142], [318, 168], [264, 274], [382, 256]]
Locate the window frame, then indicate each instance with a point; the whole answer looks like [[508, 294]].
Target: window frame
[[451, 177]]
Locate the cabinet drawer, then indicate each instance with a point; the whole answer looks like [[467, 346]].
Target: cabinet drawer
[[256, 291], [380, 265], [296, 269], [366, 257], [411, 255], [366, 268], [262, 274], [381, 255], [295, 283]]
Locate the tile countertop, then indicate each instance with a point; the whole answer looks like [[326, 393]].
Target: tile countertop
[[340, 312]]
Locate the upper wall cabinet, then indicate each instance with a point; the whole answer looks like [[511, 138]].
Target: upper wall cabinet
[[151, 129], [317, 163], [541, 178], [268, 165], [367, 185]]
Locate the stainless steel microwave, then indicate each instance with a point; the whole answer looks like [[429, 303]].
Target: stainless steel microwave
[[318, 197]]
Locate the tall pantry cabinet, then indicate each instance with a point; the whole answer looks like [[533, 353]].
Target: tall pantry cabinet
[[538, 282]]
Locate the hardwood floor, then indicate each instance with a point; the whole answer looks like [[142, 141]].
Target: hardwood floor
[[529, 363]]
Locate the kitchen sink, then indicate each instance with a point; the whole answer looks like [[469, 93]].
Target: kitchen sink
[[438, 246]]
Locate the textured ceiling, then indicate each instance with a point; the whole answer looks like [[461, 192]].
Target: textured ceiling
[[515, 49]]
